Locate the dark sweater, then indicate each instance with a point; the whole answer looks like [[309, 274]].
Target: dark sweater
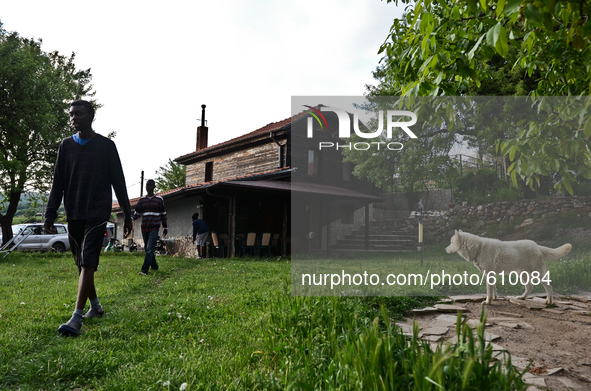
[[83, 176]]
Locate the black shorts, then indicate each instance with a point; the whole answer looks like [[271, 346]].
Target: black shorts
[[86, 241]]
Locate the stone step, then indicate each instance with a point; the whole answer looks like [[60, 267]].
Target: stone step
[[361, 235], [376, 241], [355, 252], [352, 246]]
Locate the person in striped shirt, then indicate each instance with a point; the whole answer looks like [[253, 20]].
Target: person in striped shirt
[[151, 208]]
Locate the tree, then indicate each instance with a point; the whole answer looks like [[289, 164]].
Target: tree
[[35, 90], [412, 164], [446, 48], [170, 176]]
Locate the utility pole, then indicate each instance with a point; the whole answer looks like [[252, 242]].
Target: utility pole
[[142, 185]]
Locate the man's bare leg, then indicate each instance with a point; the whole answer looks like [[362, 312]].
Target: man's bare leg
[[86, 288]]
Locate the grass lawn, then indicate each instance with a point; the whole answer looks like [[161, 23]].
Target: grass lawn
[[220, 324], [193, 321]]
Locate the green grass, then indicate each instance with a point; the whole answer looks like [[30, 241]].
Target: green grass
[[224, 324], [193, 321]]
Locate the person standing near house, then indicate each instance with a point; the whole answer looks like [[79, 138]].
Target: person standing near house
[[151, 208], [86, 168], [201, 233]]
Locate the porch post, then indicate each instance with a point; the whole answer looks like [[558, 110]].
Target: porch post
[[328, 228], [232, 227], [366, 227], [284, 227]]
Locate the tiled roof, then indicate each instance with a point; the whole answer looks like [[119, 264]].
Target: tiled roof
[[265, 129], [133, 201]]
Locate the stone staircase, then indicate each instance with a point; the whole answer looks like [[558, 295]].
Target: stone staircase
[[385, 236]]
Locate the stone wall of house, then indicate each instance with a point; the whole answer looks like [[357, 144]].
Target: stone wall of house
[[476, 218], [195, 173], [254, 160]]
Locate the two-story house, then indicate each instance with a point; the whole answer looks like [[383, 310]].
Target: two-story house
[[256, 182]]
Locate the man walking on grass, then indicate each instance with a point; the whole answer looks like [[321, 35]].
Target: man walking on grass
[[151, 208], [86, 168]]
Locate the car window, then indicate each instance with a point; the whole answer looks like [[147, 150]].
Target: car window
[[29, 230], [61, 229]]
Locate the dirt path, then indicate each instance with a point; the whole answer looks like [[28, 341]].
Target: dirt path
[[557, 339]]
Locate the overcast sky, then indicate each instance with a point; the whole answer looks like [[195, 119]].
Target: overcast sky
[[155, 63]]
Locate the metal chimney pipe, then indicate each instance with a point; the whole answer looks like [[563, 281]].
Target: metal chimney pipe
[[202, 115]]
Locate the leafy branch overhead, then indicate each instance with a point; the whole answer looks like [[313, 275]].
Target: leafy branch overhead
[[446, 48]]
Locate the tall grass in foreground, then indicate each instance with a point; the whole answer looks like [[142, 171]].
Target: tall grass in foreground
[[332, 344]]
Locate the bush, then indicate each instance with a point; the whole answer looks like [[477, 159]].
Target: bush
[[482, 187], [582, 188]]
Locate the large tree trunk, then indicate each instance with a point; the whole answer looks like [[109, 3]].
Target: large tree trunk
[[6, 219]]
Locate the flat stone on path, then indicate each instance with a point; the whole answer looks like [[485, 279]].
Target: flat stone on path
[[498, 320], [584, 299], [489, 337], [496, 348], [435, 330], [508, 325], [552, 371], [511, 314], [537, 299], [424, 311], [444, 321], [450, 308], [433, 338], [568, 383], [528, 378], [473, 323], [406, 329], [468, 298], [528, 304], [519, 362]]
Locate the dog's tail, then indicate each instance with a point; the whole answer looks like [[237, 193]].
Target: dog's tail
[[555, 253]]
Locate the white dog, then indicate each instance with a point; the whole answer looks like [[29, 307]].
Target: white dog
[[493, 255]]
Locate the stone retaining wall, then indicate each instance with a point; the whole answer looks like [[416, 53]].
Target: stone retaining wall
[[434, 199], [476, 218]]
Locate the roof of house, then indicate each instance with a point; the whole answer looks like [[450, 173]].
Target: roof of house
[[274, 126], [172, 192]]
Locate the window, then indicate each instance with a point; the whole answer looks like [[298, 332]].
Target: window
[[282, 156], [208, 171], [314, 163]]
